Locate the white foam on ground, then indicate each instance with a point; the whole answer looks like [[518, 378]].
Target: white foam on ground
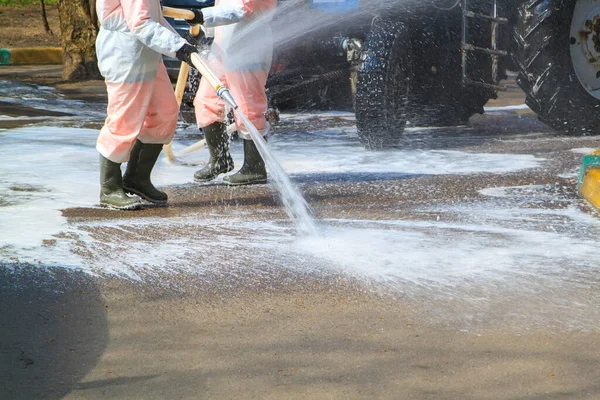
[[486, 246], [304, 116], [570, 174], [46, 169], [46, 98], [507, 108], [499, 248], [484, 242], [9, 118], [298, 159], [584, 150], [504, 191], [426, 253], [337, 150], [350, 116]]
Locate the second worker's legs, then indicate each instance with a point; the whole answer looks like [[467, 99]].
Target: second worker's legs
[[210, 114], [220, 162]]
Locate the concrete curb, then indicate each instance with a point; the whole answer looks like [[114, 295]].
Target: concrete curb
[[31, 56], [589, 179]]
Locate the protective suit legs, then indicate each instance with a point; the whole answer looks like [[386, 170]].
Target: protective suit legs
[[137, 175], [253, 171], [247, 88], [145, 110], [142, 116], [112, 194], [220, 161]]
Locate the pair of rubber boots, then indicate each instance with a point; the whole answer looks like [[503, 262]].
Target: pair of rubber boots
[[252, 172], [136, 181]]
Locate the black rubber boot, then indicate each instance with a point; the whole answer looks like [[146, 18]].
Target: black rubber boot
[[137, 175], [253, 171], [112, 194], [220, 161]]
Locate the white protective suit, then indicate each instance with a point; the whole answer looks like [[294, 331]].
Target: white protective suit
[[241, 55], [141, 100]]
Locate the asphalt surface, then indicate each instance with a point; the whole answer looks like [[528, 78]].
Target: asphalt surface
[[435, 277]]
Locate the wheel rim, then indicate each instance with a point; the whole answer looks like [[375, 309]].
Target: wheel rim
[[585, 45]]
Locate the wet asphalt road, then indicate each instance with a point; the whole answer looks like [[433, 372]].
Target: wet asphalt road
[[461, 266]]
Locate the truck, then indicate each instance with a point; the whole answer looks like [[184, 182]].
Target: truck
[[399, 63]]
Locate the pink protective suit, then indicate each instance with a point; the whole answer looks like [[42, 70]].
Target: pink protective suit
[[241, 54], [141, 100]]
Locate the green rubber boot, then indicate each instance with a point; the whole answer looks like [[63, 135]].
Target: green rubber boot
[[112, 194], [137, 175], [220, 161], [253, 171]]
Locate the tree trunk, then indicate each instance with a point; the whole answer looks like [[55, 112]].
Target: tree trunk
[[78, 36], [45, 18], [94, 14]]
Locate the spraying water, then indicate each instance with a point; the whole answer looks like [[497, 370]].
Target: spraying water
[[295, 204], [293, 20]]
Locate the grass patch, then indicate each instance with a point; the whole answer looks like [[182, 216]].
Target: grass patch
[[18, 3], [21, 26]]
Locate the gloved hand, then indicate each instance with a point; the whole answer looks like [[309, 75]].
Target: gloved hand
[[185, 53], [198, 17]]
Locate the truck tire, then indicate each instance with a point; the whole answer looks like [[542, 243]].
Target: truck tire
[[382, 89], [556, 65], [412, 72]]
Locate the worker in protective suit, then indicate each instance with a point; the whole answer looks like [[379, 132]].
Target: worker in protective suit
[[142, 108], [241, 55]]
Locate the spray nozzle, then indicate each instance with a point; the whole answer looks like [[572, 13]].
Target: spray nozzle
[[225, 95]]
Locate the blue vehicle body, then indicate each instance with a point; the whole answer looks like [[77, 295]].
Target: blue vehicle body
[[334, 5]]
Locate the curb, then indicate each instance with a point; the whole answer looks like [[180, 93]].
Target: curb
[[31, 56], [589, 179]]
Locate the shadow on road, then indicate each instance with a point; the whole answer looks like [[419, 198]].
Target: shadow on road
[[53, 331]]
